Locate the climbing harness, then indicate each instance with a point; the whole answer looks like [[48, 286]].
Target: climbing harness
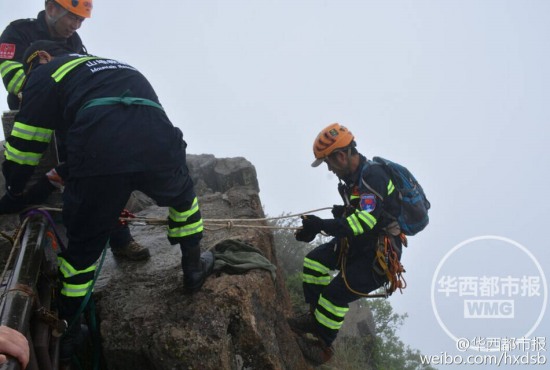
[[386, 264]]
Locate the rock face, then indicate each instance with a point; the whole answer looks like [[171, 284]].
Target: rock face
[[234, 322]]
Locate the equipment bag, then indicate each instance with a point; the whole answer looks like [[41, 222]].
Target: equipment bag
[[413, 216]]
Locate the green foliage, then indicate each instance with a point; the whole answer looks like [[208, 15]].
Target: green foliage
[[295, 291], [352, 353], [390, 353]]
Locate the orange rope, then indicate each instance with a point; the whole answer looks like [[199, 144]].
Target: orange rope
[[389, 263]]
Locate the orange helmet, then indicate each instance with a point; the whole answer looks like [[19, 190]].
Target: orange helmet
[[332, 137], [82, 8]]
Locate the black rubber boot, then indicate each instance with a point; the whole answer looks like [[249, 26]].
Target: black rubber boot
[[196, 267], [70, 342]]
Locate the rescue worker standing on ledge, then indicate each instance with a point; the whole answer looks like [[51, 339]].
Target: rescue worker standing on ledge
[[119, 139], [357, 230], [57, 22]]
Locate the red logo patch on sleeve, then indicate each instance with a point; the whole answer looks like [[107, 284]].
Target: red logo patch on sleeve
[[7, 51], [368, 202]]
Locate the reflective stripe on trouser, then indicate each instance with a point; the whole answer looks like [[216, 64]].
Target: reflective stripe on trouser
[[75, 283], [331, 301], [185, 223], [316, 276], [329, 314], [315, 273]]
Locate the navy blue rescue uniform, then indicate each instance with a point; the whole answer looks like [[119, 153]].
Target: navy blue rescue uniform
[[362, 227], [15, 39], [118, 139]]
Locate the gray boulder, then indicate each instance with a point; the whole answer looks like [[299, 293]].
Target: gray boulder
[[234, 322]]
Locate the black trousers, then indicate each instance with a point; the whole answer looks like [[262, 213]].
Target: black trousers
[[330, 296], [91, 210]]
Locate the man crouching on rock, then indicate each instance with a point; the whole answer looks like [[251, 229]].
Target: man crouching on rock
[[119, 139]]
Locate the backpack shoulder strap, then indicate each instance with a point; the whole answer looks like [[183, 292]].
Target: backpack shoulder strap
[[365, 184]]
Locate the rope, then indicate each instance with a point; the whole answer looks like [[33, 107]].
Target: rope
[[389, 264], [228, 222], [214, 224], [44, 212]]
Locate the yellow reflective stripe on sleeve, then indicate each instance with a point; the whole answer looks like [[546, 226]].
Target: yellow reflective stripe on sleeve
[[316, 280], [183, 216], [333, 309], [186, 230], [16, 82], [315, 266], [76, 290], [67, 270], [69, 66], [31, 133], [7, 66], [20, 157], [353, 197], [391, 187], [325, 321], [355, 225], [367, 218]]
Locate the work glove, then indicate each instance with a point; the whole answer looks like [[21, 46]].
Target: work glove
[[11, 204], [338, 211], [303, 236], [312, 223], [311, 226], [40, 191]]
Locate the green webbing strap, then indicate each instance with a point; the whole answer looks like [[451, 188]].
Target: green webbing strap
[[124, 100], [81, 309], [88, 294]]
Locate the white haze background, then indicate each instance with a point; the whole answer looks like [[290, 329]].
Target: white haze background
[[458, 91]]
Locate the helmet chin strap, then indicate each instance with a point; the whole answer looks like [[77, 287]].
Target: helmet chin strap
[[350, 165], [53, 20]]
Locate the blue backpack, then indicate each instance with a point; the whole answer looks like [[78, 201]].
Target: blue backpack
[[413, 217]]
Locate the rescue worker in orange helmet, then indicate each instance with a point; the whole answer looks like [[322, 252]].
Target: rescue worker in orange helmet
[[92, 102], [58, 22], [356, 229]]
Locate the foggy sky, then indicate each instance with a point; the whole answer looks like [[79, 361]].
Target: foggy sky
[[457, 91]]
